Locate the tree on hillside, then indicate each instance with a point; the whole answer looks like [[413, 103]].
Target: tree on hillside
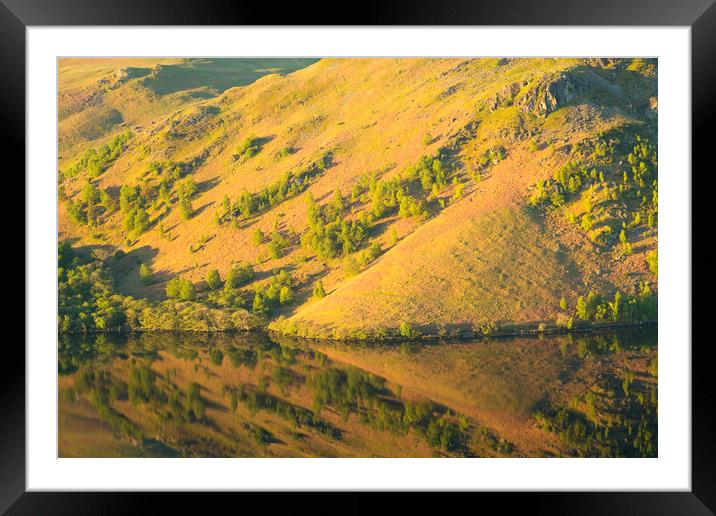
[[286, 296], [318, 290], [373, 252], [213, 279], [238, 275], [582, 312], [185, 208], [407, 331], [186, 290], [338, 202], [141, 221], [258, 237], [180, 288], [259, 305], [653, 260], [351, 266], [393, 236], [146, 275]]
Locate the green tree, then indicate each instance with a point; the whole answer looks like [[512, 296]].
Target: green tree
[[622, 237], [318, 290], [146, 275], [616, 306], [186, 290], [259, 305], [185, 207], [351, 266], [407, 331], [238, 275], [213, 279], [173, 288], [90, 194], [106, 201], [393, 236], [277, 245], [286, 296], [582, 311], [258, 237], [373, 252], [563, 303], [180, 288], [653, 260], [65, 254], [232, 278], [338, 203], [141, 221]]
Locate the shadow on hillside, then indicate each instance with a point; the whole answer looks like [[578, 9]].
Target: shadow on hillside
[[379, 228], [215, 75], [561, 254], [123, 262], [205, 186], [201, 209]]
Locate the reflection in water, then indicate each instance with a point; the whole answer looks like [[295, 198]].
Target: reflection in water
[[188, 395]]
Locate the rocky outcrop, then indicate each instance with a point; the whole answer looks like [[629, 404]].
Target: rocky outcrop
[[556, 91], [506, 96], [121, 76]]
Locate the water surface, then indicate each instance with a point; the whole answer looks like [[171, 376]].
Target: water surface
[[189, 395]]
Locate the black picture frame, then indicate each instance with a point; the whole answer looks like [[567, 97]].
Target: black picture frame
[[17, 15]]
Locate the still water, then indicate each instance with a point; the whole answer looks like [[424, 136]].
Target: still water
[[189, 395]]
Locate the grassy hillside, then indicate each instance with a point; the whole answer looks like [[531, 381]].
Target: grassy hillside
[[397, 196]]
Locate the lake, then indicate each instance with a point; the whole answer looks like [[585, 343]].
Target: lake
[[256, 395]]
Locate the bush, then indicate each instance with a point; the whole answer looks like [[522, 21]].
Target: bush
[[284, 152], [638, 308], [250, 147]]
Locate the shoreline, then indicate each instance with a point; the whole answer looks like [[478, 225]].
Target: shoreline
[[455, 335]]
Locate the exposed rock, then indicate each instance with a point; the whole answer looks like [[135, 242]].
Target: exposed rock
[[506, 96], [604, 62], [555, 91], [654, 104], [121, 76], [451, 90]]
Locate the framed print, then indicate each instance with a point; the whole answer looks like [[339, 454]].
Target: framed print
[[425, 252]]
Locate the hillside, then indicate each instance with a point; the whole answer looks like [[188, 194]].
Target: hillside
[[419, 196]]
